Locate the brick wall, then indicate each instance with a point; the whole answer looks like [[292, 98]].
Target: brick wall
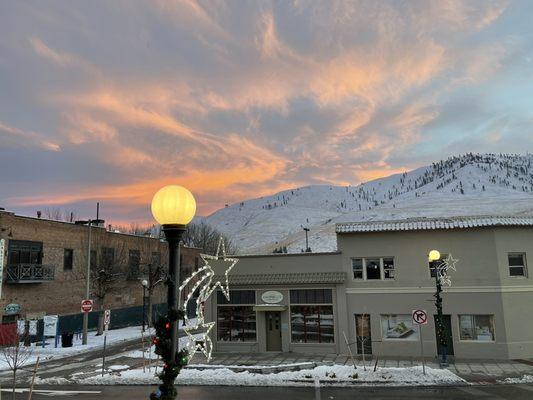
[[64, 294]]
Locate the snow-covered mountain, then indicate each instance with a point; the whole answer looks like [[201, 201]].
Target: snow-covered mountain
[[471, 184]]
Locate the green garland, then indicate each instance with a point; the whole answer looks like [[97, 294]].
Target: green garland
[[163, 347]]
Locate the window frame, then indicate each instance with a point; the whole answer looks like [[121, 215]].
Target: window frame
[[381, 268], [523, 266], [234, 305], [491, 316], [318, 305]]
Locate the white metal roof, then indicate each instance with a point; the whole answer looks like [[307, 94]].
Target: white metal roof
[[414, 224]]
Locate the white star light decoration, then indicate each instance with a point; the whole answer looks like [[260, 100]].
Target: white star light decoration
[[444, 267], [203, 280]]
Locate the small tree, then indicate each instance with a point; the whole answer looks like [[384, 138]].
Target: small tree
[[13, 351]]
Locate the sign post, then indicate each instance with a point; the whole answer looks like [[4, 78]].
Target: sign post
[[2, 251], [107, 321], [420, 317], [50, 327]]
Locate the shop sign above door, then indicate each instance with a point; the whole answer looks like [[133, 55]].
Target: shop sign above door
[[272, 297]]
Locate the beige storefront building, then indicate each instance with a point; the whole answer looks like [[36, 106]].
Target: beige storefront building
[[369, 287]]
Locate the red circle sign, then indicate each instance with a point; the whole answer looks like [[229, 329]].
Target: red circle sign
[[86, 305], [420, 317]]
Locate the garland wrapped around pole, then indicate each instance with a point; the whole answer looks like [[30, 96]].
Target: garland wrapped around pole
[[163, 347]]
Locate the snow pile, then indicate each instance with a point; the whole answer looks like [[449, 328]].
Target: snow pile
[[471, 184], [335, 375], [523, 379]]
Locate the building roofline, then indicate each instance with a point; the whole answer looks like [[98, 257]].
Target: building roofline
[[443, 223], [324, 253]]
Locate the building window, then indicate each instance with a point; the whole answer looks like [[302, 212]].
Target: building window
[[236, 297], [134, 262], [312, 324], [108, 256], [68, 259], [236, 324], [311, 296], [357, 267], [25, 252], [433, 265], [373, 268], [398, 326], [236, 320], [476, 327], [517, 264]]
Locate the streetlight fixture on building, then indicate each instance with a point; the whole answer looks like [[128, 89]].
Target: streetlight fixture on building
[[173, 207]]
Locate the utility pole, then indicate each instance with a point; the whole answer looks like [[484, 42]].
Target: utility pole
[[307, 249], [87, 286], [88, 277]]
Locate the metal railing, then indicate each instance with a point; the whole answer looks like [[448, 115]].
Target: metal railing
[[29, 273]]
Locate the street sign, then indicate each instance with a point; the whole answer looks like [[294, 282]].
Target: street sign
[[420, 317], [86, 306], [12, 309], [107, 319], [50, 325]]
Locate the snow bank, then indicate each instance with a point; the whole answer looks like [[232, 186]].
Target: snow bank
[[336, 375]]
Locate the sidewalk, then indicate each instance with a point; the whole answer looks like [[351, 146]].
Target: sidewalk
[[473, 371]]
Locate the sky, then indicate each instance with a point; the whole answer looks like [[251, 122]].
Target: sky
[[110, 100]]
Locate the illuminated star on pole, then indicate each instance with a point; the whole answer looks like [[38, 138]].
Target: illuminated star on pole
[[444, 267], [206, 347], [217, 266]]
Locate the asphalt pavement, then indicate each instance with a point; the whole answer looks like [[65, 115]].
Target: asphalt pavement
[[489, 392]]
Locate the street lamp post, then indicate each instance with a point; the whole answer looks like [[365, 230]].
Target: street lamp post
[[173, 207], [434, 255], [144, 284]]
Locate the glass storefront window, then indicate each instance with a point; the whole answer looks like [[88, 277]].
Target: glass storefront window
[[398, 327], [477, 327], [312, 324], [236, 324]]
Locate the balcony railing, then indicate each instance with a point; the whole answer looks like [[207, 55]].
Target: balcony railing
[[29, 273]]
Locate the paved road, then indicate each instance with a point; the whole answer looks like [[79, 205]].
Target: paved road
[[496, 392]]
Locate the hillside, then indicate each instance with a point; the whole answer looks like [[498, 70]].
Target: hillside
[[470, 184]]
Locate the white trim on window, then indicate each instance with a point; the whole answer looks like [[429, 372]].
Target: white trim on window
[[381, 268]]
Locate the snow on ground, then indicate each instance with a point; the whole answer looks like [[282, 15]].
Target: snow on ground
[[335, 375], [50, 352], [523, 379]]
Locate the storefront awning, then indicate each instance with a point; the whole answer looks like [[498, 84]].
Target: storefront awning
[[270, 307]]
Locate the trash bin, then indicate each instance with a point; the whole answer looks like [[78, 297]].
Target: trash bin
[[66, 339]]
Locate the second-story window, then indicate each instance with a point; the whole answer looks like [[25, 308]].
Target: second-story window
[[68, 259], [25, 252], [134, 261], [517, 264], [108, 256], [373, 268]]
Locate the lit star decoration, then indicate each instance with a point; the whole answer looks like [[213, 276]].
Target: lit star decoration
[[205, 345], [443, 269], [203, 281]]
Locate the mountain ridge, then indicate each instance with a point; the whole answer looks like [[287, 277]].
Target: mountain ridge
[[469, 183]]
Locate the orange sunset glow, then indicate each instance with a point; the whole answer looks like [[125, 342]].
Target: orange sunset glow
[[109, 101]]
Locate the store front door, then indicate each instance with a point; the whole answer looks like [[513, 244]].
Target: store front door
[[363, 333], [273, 330]]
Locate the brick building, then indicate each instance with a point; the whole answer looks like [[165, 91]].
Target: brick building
[[45, 264]]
